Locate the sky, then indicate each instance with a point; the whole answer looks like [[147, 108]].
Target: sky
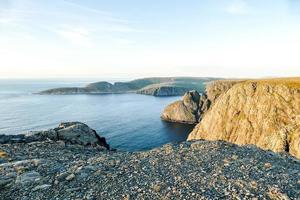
[[145, 38]]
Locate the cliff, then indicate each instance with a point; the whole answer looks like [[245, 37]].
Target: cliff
[[189, 110], [190, 170], [215, 89], [193, 106], [265, 113], [168, 86]]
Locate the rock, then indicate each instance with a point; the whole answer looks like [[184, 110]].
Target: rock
[[265, 113], [187, 110], [194, 105], [276, 194], [41, 187], [6, 181], [204, 105], [162, 91], [189, 170], [216, 88], [28, 177], [79, 133], [12, 138], [68, 132], [70, 177]]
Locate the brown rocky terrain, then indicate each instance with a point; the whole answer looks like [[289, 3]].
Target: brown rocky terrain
[[261, 112]]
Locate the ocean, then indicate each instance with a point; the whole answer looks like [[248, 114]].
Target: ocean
[[129, 122]]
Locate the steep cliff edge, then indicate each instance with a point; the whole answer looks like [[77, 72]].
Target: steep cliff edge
[[193, 106], [215, 89], [265, 113], [189, 110]]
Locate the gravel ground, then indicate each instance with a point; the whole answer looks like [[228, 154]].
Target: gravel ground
[[189, 170]]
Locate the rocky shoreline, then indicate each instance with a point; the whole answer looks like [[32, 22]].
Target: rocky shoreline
[[189, 170]]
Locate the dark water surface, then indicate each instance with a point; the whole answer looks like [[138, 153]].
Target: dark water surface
[[128, 121]]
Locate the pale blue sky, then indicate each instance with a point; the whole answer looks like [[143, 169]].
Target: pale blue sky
[[140, 38]]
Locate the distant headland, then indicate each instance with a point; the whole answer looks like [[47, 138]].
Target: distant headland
[[156, 86]]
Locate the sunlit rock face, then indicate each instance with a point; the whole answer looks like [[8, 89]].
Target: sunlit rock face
[[265, 113], [187, 110]]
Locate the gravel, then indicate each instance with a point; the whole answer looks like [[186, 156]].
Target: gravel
[[188, 170]]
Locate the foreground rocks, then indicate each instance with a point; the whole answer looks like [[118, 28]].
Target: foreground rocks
[[190, 170], [68, 132], [261, 112], [189, 110]]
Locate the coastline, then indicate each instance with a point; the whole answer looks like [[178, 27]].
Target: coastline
[[194, 170]]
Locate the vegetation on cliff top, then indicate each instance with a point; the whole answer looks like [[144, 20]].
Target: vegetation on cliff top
[[142, 86]]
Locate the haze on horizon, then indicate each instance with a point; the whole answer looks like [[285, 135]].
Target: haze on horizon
[[87, 39]]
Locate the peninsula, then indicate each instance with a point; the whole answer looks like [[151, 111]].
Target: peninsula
[[162, 86]]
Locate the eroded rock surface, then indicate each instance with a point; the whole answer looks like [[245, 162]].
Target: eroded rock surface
[[265, 113], [215, 89], [194, 105], [69, 132], [186, 110]]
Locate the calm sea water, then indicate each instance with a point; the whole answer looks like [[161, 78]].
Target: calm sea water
[[128, 121]]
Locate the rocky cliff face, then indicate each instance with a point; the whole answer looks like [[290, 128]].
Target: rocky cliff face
[[194, 105], [188, 110], [265, 113], [69, 132], [217, 88]]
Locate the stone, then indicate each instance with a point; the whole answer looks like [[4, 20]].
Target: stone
[[68, 132], [70, 177], [41, 187], [28, 177]]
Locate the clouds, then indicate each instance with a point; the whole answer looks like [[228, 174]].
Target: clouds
[[238, 7], [238, 37], [76, 23], [78, 36]]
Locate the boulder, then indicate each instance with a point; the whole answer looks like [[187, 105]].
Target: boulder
[[79, 133], [69, 132]]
